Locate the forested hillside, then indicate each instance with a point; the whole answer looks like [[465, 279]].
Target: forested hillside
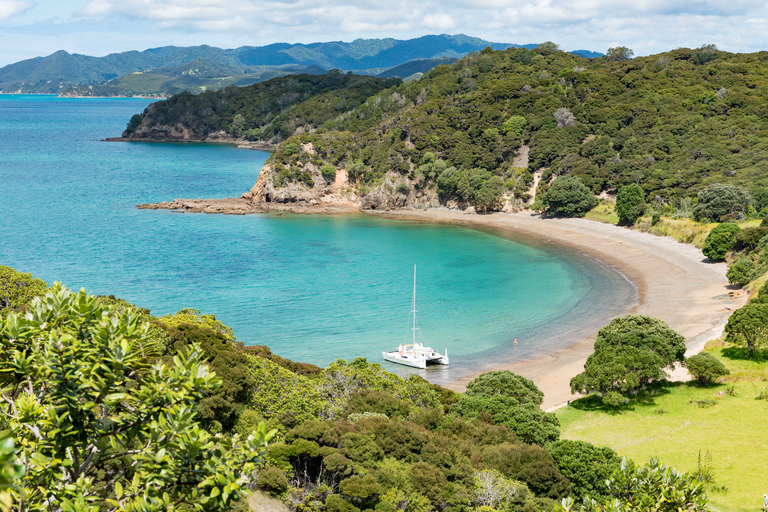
[[269, 111], [672, 123]]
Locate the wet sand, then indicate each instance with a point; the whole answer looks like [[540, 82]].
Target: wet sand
[[675, 282]]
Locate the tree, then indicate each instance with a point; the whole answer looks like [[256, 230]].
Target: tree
[[568, 197], [741, 272], [587, 467], [508, 384], [720, 240], [619, 53], [515, 126], [630, 353], [706, 368], [720, 199], [630, 203], [644, 488], [98, 426], [748, 326], [10, 470], [17, 289], [564, 117]]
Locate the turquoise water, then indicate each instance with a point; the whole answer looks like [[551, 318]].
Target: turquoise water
[[312, 288]]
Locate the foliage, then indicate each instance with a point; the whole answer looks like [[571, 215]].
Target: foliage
[[17, 289], [568, 197], [741, 272], [720, 199], [748, 326], [720, 240], [706, 368], [510, 400], [651, 487], [493, 489], [586, 466], [630, 203], [277, 391], [194, 317], [272, 481], [264, 352], [514, 126], [619, 53], [329, 173], [476, 186], [10, 470], [341, 380], [630, 353], [98, 426]]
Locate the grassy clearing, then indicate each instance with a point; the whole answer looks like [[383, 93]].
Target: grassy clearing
[[667, 423], [604, 212]]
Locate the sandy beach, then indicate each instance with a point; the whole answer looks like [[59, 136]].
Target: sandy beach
[[675, 282]]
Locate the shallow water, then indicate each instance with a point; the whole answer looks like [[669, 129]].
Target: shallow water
[[312, 288]]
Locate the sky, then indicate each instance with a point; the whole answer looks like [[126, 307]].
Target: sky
[[30, 28]]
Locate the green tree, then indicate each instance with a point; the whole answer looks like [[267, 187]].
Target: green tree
[[515, 126], [11, 470], [741, 272], [655, 487], [17, 289], [508, 384], [720, 240], [619, 53], [630, 353], [630, 203], [100, 427], [587, 467], [568, 197], [720, 199], [706, 368], [748, 326]]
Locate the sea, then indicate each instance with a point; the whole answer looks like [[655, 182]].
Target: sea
[[313, 288]]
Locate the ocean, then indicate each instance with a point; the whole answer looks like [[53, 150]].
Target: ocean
[[312, 288]]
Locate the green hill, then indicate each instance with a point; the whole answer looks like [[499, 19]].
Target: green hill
[[672, 122]]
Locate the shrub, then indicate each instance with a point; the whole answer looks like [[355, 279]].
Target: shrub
[[741, 272], [748, 239], [17, 289], [329, 173], [720, 240], [272, 481], [586, 466], [706, 368], [720, 199], [630, 203], [403, 188], [568, 197], [514, 126]]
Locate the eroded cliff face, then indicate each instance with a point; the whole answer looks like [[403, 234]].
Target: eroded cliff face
[[393, 192]]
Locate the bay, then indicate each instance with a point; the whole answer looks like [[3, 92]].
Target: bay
[[312, 288]]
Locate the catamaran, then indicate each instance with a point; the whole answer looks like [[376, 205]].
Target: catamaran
[[415, 354]]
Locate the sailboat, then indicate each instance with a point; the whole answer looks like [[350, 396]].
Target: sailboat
[[415, 354]]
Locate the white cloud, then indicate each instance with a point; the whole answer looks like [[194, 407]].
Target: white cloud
[[10, 8], [439, 21]]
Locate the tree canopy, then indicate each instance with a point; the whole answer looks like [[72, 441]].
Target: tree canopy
[[720, 240], [568, 197], [630, 203], [17, 289], [748, 326]]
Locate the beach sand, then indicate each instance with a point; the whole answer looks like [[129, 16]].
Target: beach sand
[[675, 282]]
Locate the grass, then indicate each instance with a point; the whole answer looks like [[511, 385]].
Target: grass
[[603, 212], [667, 423]]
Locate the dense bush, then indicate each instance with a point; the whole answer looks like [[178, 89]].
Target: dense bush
[[568, 197], [706, 368], [741, 272], [721, 199], [720, 240], [748, 239], [630, 203], [17, 289], [586, 466], [748, 326]]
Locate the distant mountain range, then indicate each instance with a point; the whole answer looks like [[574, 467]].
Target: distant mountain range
[[170, 69]]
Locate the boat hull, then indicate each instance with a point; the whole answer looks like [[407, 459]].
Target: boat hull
[[414, 360]]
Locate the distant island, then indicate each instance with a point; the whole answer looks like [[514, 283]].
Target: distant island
[[162, 72]]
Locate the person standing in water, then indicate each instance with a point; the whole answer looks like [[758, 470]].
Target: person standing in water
[[515, 341]]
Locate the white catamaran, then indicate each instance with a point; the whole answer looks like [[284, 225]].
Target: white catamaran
[[415, 354]]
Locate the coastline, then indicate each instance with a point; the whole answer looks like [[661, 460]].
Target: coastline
[[674, 282]]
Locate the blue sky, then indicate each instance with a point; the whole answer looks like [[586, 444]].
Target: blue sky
[[30, 28]]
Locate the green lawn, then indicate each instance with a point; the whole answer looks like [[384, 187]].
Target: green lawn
[[667, 425]]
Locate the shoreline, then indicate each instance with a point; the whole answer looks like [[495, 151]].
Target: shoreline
[[674, 282]]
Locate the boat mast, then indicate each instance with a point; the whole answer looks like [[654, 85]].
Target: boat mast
[[414, 305]]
